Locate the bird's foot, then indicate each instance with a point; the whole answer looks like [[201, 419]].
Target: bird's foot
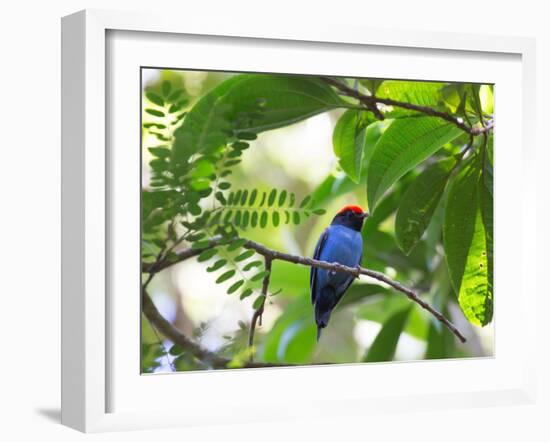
[[358, 271]]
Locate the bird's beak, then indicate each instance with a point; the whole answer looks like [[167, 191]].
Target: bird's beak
[[365, 215]]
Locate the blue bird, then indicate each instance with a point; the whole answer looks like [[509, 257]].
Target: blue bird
[[341, 242]]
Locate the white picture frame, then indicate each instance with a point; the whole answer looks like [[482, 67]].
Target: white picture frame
[[87, 210]]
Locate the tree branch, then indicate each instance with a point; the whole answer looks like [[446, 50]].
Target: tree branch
[[168, 330], [370, 101], [274, 254], [260, 310], [157, 266]]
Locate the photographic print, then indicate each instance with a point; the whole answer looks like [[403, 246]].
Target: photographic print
[[297, 220]]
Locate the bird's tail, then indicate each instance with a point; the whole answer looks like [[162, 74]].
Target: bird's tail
[[322, 316]]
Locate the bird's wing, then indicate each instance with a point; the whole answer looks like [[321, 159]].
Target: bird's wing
[[348, 282], [313, 271]]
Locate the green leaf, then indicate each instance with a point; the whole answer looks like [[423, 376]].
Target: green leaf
[[244, 197], [221, 198], [271, 197], [227, 216], [174, 108], [260, 275], [196, 237], [200, 244], [419, 203], [207, 254], [236, 198], [258, 302], [254, 219], [249, 136], [296, 218], [262, 201], [372, 84], [440, 342], [385, 343], [421, 93], [236, 244], [282, 198], [405, 144], [263, 219], [348, 141], [287, 216], [240, 145], [467, 239], [245, 219], [217, 265], [246, 293], [194, 209], [155, 112], [237, 219], [166, 87], [154, 98], [205, 126], [486, 98], [244, 255], [253, 196], [231, 198], [175, 95], [251, 265], [234, 287], [288, 99], [304, 202], [225, 276], [292, 337], [160, 152], [275, 218], [175, 350], [231, 163]]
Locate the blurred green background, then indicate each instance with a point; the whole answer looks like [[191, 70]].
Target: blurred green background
[[300, 158]]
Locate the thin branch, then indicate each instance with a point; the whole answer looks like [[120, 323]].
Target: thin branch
[[157, 266], [366, 100], [356, 271], [370, 101], [260, 310], [211, 358], [274, 254]]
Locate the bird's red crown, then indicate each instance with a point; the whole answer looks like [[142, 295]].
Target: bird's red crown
[[355, 209]]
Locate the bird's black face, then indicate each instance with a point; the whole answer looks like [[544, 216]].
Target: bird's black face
[[350, 218]]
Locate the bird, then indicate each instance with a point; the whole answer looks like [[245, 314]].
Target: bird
[[342, 243]]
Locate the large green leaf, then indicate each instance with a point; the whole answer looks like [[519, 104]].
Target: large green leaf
[[485, 195], [440, 343], [292, 337], [386, 207], [421, 93], [205, 126], [284, 100], [297, 342], [404, 145], [467, 238], [419, 203], [348, 141], [385, 343], [251, 103]]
